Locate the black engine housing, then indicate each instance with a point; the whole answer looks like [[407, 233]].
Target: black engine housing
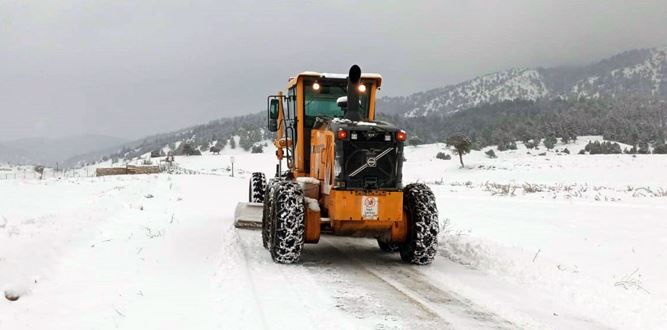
[[369, 158]]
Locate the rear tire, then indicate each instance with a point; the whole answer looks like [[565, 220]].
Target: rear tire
[[388, 246], [421, 244], [288, 223], [257, 188]]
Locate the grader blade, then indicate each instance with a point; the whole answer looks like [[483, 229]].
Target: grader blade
[[248, 215]]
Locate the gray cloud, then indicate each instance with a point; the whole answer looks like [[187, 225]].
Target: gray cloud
[[130, 68]]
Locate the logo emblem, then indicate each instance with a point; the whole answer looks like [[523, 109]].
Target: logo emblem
[[371, 162]]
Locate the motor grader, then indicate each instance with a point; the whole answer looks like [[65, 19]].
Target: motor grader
[[342, 173]]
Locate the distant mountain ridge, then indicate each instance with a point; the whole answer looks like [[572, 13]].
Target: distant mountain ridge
[[551, 101], [634, 72]]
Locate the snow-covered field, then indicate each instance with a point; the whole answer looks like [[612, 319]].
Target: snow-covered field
[[528, 241]]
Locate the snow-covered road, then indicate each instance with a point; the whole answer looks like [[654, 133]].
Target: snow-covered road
[[372, 288]]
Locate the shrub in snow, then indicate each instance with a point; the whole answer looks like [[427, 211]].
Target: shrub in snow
[[660, 149], [643, 148], [550, 142], [507, 146], [582, 152], [491, 153], [597, 148], [257, 149], [215, 150], [613, 148], [566, 151], [443, 156]]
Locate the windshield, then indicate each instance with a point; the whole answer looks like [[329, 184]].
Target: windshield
[[322, 101]]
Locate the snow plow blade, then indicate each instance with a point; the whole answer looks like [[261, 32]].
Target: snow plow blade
[[248, 215]]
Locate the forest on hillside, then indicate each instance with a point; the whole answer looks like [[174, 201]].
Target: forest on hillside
[[631, 120], [638, 121]]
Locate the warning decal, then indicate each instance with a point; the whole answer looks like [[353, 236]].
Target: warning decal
[[369, 208]]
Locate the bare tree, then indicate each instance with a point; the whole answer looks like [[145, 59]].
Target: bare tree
[[39, 169]]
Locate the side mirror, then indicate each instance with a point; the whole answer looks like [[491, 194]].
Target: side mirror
[[273, 115]]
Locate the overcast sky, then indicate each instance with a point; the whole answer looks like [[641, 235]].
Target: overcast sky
[[129, 68]]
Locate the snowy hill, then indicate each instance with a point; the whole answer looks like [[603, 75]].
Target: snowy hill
[[248, 129], [13, 156], [636, 72]]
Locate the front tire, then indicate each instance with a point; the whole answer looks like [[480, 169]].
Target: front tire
[[421, 244], [257, 188], [288, 223]]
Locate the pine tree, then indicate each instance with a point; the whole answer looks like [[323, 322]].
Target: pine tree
[[461, 145], [550, 142]]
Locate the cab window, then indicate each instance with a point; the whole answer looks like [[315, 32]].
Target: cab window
[[320, 99]]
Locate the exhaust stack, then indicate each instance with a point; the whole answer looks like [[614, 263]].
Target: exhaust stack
[[353, 79]]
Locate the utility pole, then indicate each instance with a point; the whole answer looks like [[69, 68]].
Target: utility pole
[[231, 158]]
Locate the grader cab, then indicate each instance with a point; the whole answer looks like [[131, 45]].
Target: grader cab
[[339, 172]]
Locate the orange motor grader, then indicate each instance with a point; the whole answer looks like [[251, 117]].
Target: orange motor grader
[[342, 173]]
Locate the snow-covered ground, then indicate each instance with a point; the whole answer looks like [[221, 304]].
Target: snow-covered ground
[[529, 241]]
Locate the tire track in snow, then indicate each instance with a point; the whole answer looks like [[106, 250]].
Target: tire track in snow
[[286, 296], [444, 307], [364, 295], [371, 287], [248, 270]]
